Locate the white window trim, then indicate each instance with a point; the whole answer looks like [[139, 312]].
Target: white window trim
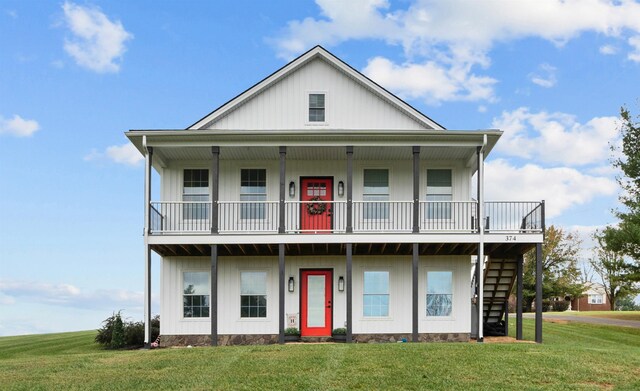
[[306, 108], [181, 295], [250, 222], [364, 318], [181, 195], [238, 292], [453, 297]]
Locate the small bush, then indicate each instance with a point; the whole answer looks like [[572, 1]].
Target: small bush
[[560, 305], [291, 331], [127, 334], [339, 331]]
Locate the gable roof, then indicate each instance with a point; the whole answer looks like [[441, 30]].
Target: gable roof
[[316, 52]]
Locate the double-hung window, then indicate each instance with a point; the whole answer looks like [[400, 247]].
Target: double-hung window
[[439, 293], [376, 193], [376, 294], [595, 299], [253, 294], [195, 194], [253, 193], [316, 108], [439, 194], [195, 295]]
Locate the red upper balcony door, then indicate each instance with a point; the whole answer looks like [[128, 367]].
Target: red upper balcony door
[[316, 214]]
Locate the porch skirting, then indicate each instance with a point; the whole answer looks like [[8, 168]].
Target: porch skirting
[[269, 339]]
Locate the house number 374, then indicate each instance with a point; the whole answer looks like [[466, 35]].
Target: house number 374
[[511, 238]]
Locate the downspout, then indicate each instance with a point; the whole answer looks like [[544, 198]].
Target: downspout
[[480, 260]]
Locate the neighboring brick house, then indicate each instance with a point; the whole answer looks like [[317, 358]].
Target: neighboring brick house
[[594, 299]]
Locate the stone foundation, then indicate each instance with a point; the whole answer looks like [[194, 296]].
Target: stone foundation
[[268, 339], [223, 340]]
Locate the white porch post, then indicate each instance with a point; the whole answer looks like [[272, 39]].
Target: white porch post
[[147, 248], [480, 261]]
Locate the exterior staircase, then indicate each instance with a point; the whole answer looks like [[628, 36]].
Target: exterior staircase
[[499, 277]]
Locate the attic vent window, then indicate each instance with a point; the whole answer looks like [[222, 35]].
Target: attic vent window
[[316, 107]]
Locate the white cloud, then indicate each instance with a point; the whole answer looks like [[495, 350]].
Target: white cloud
[[608, 49], [545, 76], [430, 81], [457, 35], [634, 42], [97, 42], [555, 137], [12, 13], [561, 187], [123, 154], [67, 295], [18, 126]]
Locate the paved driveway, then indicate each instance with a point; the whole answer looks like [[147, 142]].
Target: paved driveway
[[584, 319]]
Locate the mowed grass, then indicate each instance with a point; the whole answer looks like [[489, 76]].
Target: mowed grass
[[575, 356], [623, 315]]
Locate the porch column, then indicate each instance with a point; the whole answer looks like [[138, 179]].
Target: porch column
[[349, 293], [416, 189], [349, 228], [283, 158], [281, 313], [215, 180], [539, 293], [480, 261], [414, 297], [214, 295], [147, 248], [519, 266]]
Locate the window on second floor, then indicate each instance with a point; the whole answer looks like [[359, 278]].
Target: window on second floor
[[376, 192], [316, 108], [253, 193], [195, 194], [439, 194]]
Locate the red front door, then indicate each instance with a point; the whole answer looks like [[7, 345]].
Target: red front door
[[315, 214], [316, 303]]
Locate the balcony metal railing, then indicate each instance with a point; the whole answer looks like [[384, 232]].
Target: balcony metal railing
[[450, 216], [382, 216], [238, 217]]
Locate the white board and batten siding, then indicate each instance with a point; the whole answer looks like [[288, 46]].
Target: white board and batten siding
[[399, 319], [284, 105], [400, 177]]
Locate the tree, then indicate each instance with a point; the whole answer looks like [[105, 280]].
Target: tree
[[614, 271], [625, 238], [560, 272], [627, 304]]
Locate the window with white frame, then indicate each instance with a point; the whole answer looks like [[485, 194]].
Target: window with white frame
[[253, 294], [253, 193], [439, 194], [195, 194], [596, 299], [375, 294], [376, 193], [195, 294], [316, 107], [439, 293]]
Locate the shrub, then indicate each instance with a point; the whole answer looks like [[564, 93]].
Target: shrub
[[291, 331], [339, 331], [560, 305], [126, 335]]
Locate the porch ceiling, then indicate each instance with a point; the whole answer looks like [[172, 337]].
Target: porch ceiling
[[497, 250], [169, 154]]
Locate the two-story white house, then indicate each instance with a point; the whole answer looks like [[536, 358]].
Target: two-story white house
[[319, 200]]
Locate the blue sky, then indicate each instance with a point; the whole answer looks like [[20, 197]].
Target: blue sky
[[74, 76]]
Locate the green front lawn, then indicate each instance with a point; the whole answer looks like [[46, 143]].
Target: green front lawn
[[624, 315], [574, 356]]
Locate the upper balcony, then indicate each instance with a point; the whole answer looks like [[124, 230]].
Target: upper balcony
[[331, 217]]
